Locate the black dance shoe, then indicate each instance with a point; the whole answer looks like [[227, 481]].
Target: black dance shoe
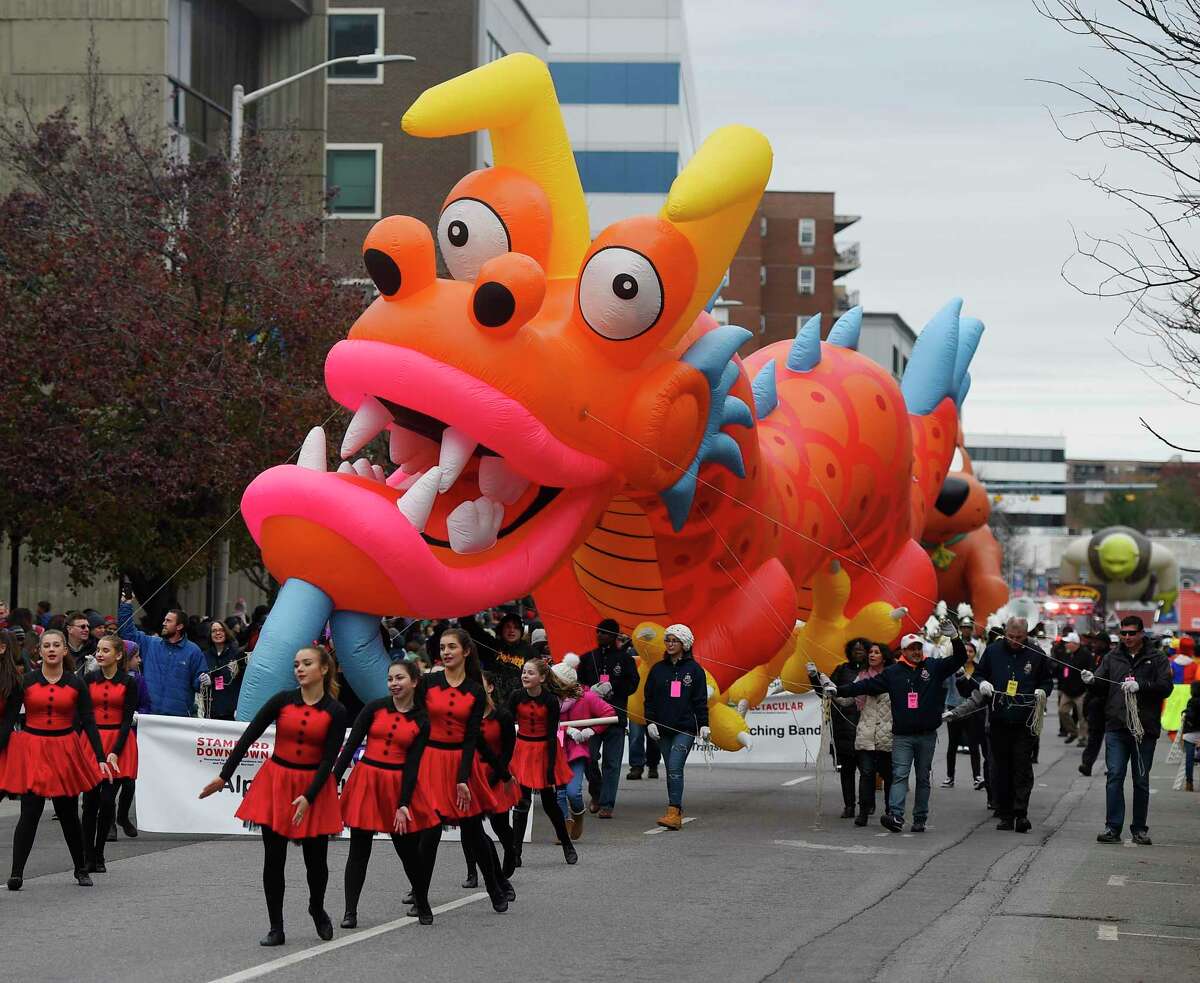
[[130, 830], [350, 920], [82, 879], [409, 898], [569, 854], [14, 883], [323, 923], [272, 938], [424, 914], [472, 881]]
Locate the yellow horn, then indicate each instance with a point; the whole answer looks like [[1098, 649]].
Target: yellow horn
[[513, 99], [712, 201]]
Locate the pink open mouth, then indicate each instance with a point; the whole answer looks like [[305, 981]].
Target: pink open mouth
[[482, 502]]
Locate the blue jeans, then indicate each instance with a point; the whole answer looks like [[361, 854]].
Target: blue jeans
[[675, 748], [570, 798], [607, 749], [643, 749], [909, 750], [1119, 747]]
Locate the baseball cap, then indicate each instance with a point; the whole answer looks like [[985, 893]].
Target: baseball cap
[[910, 639], [1071, 637]]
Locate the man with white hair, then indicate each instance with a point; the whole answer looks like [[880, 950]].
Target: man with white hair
[[1016, 676]]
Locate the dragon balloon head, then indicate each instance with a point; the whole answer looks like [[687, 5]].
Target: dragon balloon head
[[521, 393]]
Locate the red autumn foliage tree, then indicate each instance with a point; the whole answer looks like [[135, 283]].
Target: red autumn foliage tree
[[164, 336]]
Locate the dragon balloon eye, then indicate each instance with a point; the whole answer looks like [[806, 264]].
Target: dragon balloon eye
[[620, 293], [470, 233]]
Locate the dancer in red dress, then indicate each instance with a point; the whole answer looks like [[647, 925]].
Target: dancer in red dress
[[46, 760], [497, 737], [10, 699], [291, 797], [114, 695], [452, 774], [538, 762], [383, 795]]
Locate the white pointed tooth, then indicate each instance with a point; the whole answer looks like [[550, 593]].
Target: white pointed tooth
[[405, 446], [312, 451], [363, 467], [473, 526], [345, 468], [369, 419], [500, 482], [417, 503], [379, 474], [457, 449]]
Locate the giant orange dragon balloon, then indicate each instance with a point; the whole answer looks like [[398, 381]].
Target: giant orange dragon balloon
[[565, 419]]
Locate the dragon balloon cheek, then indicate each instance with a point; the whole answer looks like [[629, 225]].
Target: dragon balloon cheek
[[665, 420]]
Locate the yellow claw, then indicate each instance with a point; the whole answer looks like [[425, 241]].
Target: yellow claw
[[726, 725]]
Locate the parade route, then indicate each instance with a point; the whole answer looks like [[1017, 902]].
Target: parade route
[[756, 888]]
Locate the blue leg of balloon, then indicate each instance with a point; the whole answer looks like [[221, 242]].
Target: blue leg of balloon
[[361, 655], [298, 617]]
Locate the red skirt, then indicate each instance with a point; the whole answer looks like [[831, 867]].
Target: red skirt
[[506, 794], [49, 766], [127, 760], [269, 802], [370, 797], [439, 777], [529, 764]]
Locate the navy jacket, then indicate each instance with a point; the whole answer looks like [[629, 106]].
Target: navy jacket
[[927, 680], [1028, 665], [172, 670], [619, 666], [688, 711]]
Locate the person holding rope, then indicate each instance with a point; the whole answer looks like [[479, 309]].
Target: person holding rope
[[916, 688], [1016, 676], [114, 695], [223, 662], [676, 700], [578, 745], [873, 735], [1134, 679], [291, 798], [610, 671], [382, 794]]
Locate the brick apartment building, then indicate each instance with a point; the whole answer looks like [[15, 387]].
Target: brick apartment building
[[789, 265]]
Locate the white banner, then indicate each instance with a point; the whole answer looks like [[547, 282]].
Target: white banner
[[786, 729], [178, 756]]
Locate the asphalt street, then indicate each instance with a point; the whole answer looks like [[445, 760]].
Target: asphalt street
[[758, 887]]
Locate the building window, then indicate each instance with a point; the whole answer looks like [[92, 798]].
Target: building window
[[762, 225], [352, 173], [645, 172], [895, 361], [495, 49], [762, 276], [616, 83], [355, 31], [806, 279], [808, 232]]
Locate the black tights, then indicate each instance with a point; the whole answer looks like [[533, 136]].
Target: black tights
[[504, 833], [417, 852], [26, 831], [549, 807], [316, 866], [476, 844], [99, 810], [125, 798]]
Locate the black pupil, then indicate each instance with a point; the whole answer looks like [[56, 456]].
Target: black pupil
[[457, 233], [625, 286]]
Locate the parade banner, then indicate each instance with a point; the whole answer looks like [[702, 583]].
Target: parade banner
[[785, 728], [178, 756]]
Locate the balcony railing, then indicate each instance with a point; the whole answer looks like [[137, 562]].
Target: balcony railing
[[844, 299], [197, 117], [847, 258]]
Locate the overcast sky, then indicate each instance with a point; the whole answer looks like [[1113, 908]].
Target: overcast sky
[[920, 116]]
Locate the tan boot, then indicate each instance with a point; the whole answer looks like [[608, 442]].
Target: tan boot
[[569, 822], [575, 825], [673, 819], [1188, 787]]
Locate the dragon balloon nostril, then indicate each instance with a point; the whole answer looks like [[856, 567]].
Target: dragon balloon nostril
[[383, 271], [494, 304]]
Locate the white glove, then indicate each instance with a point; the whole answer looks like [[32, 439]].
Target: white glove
[[602, 689], [205, 680], [1130, 686], [812, 668], [1040, 694], [575, 734], [947, 714], [704, 732], [652, 730], [830, 690], [987, 689], [1087, 676], [585, 735]]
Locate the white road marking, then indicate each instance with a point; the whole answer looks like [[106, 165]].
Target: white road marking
[[1106, 933], [1122, 880], [254, 972], [1109, 933], [797, 781], [1118, 880], [663, 829], [858, 849]]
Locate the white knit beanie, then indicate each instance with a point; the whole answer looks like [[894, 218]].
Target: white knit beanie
[[683, 633], [564, 671]]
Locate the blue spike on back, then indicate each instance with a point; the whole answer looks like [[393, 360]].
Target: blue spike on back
[[964, 387], [711, 352], [970, 330], [766, 394], [929, 377], [806, 349], [736, 412], [846, 330]]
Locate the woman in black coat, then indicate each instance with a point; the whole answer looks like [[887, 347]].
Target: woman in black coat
[[844, 717], [224, 671]]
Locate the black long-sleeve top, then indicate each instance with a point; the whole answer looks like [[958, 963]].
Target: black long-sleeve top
[[305, 736], [10, 706], [394, 739], [114, 702], [537, 719]]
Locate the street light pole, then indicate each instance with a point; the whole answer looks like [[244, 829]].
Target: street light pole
[[242, 98]]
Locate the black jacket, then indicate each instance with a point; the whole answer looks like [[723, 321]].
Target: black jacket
[[688, 711], [844, 718], [1028, 665], [1151, 669], [927, 680], [619, 666], [1190, 722], [224, 667], [1068, 667]]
